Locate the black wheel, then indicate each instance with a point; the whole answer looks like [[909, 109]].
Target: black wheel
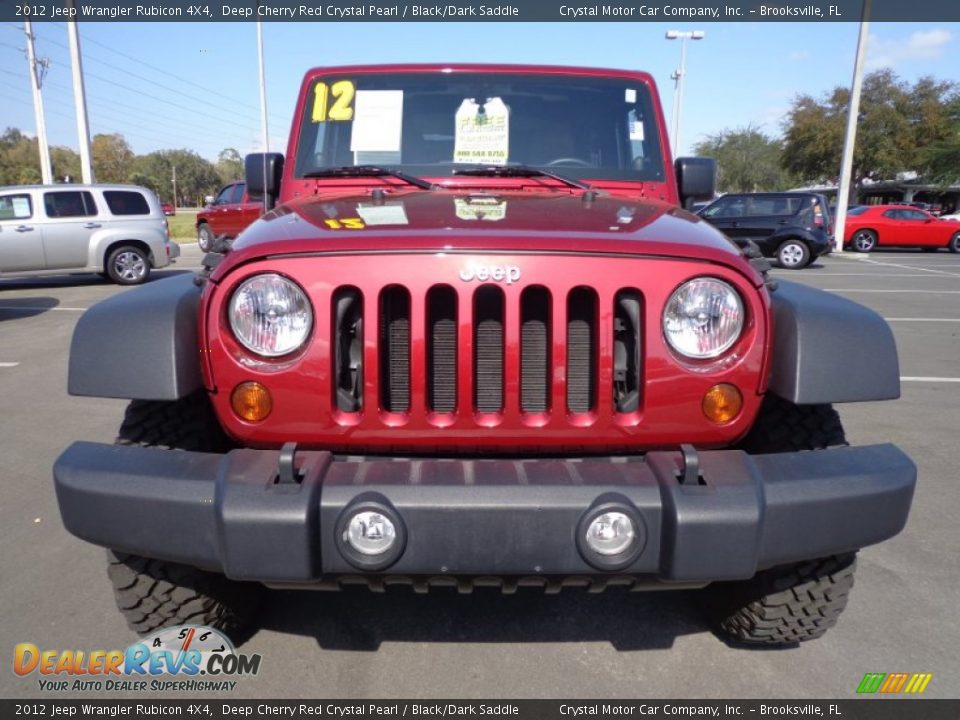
[[793, 254], [153, 594], [864, 241], [128, 265], [784, 605], [782, 426], [954, 245], [205, 237]]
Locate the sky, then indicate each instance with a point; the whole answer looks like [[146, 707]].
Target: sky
[[193, 85]]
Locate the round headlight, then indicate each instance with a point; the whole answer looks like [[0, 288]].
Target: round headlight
[[270, 315], [703, 318]]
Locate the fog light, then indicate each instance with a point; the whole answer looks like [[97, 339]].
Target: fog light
[[722, 403], [251, 401], [610, 533], [370, 533]]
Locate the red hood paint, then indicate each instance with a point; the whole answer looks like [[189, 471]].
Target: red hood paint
[[513, 220]]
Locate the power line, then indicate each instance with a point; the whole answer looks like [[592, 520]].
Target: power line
[[165, 73]]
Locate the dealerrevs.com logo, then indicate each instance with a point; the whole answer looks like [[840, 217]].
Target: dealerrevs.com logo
[[182, 658]]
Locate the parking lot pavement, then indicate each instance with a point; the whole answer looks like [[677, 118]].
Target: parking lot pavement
[[901, 616]]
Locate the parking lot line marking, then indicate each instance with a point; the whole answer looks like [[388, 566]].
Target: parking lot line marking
[[930, 379], [876, 275], [31, 308], [912, 292], [861, 258], [8, 364], [922, 319]]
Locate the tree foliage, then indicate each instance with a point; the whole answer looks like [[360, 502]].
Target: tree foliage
[[115, 162], [229, 165], [901, 128], [112, 158], [747, 160]]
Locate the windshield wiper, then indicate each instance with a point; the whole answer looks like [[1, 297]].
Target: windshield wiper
[[369, 171], [520, 171]]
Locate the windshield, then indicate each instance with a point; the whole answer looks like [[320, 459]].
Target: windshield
[[432, 124]]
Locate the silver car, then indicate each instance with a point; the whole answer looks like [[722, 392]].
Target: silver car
[[118, 231]]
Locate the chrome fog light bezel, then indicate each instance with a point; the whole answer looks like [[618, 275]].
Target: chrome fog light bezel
[[363, 560]]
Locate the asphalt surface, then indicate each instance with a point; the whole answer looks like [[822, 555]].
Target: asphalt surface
[[902, 616]]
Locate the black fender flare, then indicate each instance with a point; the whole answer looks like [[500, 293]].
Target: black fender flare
[[827, 349], [139, 344]]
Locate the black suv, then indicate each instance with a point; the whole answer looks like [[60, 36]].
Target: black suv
[[793, 227]]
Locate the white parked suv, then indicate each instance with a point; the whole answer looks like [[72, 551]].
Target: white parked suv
[[118, 231]]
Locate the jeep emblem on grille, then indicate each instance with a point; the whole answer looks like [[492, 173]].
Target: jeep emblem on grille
[[498, 273]]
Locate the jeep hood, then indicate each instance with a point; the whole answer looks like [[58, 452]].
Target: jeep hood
[[503, 221]]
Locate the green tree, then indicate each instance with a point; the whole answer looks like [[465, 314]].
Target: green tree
[[747, 160], [898, 130], [196, 176], [112, 158], [229, 165]]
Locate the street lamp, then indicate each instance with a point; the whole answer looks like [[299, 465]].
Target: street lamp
[[677, 77]]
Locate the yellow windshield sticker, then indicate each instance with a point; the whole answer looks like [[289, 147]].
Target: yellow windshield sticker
[[482, 133], [345, 224], [342, 92]]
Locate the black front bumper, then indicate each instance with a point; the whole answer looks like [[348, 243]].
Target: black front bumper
[[230, 513]]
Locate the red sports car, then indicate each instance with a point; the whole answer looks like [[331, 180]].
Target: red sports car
[[872, 226]]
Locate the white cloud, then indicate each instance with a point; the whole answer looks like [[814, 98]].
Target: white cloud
[[920, 45]]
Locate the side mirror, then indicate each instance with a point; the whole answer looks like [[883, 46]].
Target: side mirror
[[208, 199], [696, 179], [263, 173]]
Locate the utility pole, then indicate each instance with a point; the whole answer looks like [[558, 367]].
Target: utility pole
[[38, 69], [677, 77], [174, 187], [850, 139], [267, 200], [80, 100]]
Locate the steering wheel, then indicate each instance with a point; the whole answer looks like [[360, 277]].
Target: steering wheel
[[569, 161]]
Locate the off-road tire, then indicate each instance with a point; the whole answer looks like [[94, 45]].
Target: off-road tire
[[153, 594], [782, 426], [784, 605], [185, 424]]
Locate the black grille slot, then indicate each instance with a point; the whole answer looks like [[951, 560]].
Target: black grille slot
[[488, 349], [348, 349], [442, 349], [395, 349], [626, 351], [535, 350], [581, 350]]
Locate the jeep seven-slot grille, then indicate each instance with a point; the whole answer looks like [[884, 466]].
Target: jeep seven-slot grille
[[559, 339]]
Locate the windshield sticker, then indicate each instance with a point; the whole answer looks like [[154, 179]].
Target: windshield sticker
[[344, 224], [631, 96], [490, 209], [341, 93], [482, 134], [636, 127], [377, 122], [386, 214]]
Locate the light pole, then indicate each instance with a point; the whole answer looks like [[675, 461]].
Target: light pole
[[677, 77]]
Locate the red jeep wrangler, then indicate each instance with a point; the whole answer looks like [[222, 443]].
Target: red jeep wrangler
[[476, 342]]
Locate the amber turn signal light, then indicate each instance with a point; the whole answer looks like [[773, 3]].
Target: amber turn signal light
[[251, 401], [722, 403]]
